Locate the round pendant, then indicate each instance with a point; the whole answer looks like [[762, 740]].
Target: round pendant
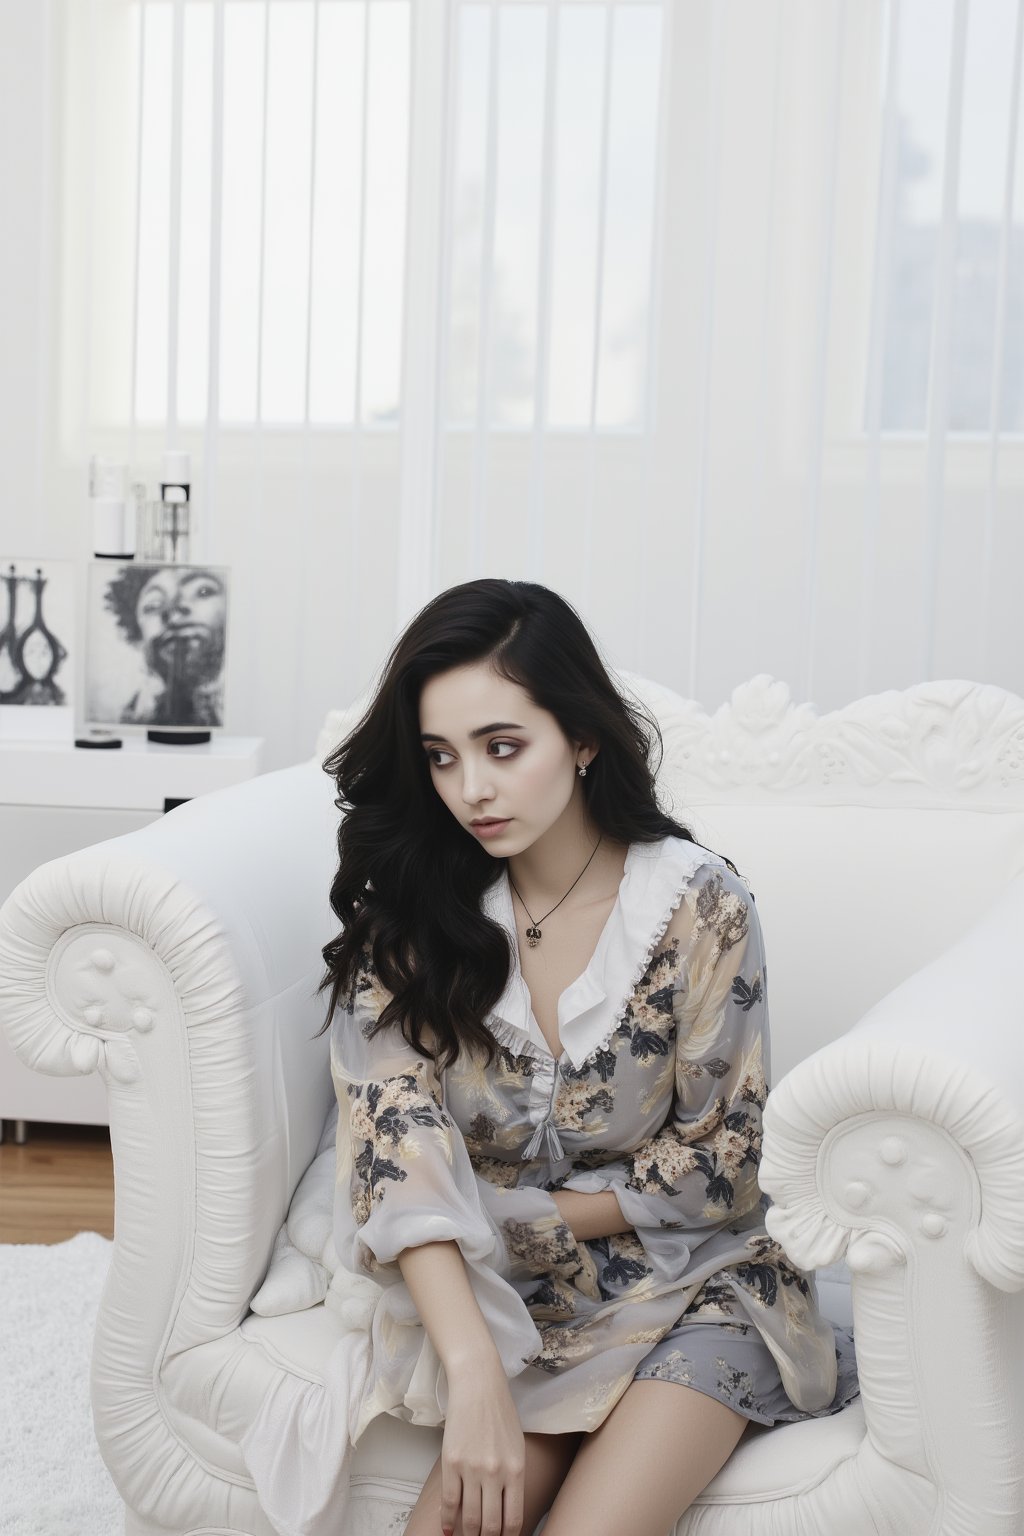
[[533, 937]]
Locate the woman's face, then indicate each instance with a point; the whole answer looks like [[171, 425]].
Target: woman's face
[[520, 767], [189, 600]]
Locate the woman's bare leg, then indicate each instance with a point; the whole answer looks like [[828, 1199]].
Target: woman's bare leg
[[548, 1458], [659, 1447]]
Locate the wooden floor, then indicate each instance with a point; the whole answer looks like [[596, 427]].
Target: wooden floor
[[59, 1183]]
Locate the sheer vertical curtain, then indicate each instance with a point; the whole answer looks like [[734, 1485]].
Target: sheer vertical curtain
[[709, 315]]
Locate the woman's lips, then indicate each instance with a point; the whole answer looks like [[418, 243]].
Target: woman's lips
[[490, 828]]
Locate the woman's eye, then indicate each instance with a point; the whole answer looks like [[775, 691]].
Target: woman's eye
[[432, 752]]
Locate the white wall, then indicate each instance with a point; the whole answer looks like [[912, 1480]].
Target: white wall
[[756, 524]]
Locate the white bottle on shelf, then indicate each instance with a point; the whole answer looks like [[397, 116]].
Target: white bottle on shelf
[[112, 527], [113, 538]]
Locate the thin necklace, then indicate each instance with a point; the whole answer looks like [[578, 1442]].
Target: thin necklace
[[533, 932]]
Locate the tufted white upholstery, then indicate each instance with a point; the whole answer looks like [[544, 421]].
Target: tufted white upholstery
[[884, 844]]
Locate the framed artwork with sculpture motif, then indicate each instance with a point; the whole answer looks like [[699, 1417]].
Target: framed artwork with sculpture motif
[[37, 623]]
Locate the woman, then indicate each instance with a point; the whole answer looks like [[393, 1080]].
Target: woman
[[550, 1050]]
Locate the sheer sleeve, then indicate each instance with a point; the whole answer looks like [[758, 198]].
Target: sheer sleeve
[[698, 1172], [404, 1175]]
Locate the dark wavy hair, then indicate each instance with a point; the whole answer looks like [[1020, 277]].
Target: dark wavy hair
[[409, 882], [122, 598]]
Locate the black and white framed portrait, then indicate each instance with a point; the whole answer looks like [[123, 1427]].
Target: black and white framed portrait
[[37, 624], [157, 644]]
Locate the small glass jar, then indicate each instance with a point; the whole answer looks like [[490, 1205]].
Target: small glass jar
[[164, 532]]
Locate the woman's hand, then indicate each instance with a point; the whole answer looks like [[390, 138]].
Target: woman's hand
[[483, 1453]]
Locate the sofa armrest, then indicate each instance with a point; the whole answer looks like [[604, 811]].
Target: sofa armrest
[[901, 1145], [947, 1047], [181, 962]]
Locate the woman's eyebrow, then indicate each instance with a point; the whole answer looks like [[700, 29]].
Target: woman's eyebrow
[[482, 730]]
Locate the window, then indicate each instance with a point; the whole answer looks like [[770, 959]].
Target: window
[[554, 204], [984, 302], [271, 218], [312, 105]]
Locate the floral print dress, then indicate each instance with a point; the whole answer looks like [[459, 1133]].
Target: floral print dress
[[658, 1096]]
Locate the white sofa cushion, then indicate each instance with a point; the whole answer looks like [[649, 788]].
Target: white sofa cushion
[[303, 1259]]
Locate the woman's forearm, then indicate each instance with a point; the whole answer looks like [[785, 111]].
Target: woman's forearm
[[591, 1215], [439, 1286]]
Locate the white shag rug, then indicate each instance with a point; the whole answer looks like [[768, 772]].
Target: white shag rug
[[53, 1481]]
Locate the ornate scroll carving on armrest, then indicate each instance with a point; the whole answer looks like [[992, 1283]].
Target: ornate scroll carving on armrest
[[811, 1113]]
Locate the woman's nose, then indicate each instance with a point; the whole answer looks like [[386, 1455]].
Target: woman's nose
[[475, 786]]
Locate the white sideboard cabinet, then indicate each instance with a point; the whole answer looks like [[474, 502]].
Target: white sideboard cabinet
[[56, 798]]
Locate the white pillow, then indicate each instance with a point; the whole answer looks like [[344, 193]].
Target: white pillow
[[303, 1259]]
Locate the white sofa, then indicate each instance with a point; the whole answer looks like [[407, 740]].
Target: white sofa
[[884, 844]]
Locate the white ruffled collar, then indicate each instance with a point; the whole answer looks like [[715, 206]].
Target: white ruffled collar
[[655, 877]]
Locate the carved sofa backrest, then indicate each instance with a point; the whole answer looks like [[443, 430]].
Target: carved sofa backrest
[[871, 836]]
